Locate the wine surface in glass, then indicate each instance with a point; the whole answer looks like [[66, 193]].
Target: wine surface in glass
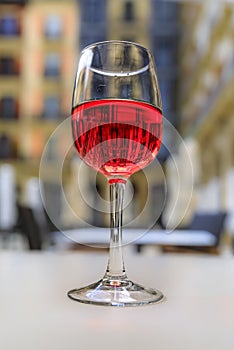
[[117, 137]]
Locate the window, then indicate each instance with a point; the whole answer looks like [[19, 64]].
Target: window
[[168, 94], [128, 11], [8, 66], [52, 65], [93, 11], [165, 11], [51, 107], [166, 51], [90, 39], [8, 108], [5, 147], [53, 27], [9, 25]]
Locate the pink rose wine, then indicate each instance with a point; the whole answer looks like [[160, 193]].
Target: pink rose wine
[[117, 137]]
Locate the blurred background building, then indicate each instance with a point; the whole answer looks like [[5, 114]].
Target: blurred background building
[[206, 98], [193, 47]]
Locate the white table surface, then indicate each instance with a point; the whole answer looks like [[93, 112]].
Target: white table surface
[[36, 314]]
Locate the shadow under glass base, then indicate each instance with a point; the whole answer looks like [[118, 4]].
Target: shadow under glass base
[[115, 292]]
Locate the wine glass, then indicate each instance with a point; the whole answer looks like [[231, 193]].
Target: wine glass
[[117, 130]]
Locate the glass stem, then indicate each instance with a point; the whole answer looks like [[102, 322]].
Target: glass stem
[[115, 267]]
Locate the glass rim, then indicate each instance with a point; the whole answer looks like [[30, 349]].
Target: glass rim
[[116, 41]]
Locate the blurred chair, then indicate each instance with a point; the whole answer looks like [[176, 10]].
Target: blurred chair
[[212, 222], [30, 228], [203, 234], [32, 218]]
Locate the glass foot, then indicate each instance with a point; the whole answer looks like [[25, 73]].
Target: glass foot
[[115, 292]]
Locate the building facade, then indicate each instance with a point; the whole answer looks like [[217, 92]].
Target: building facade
[[206, 97], [38, 56]]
